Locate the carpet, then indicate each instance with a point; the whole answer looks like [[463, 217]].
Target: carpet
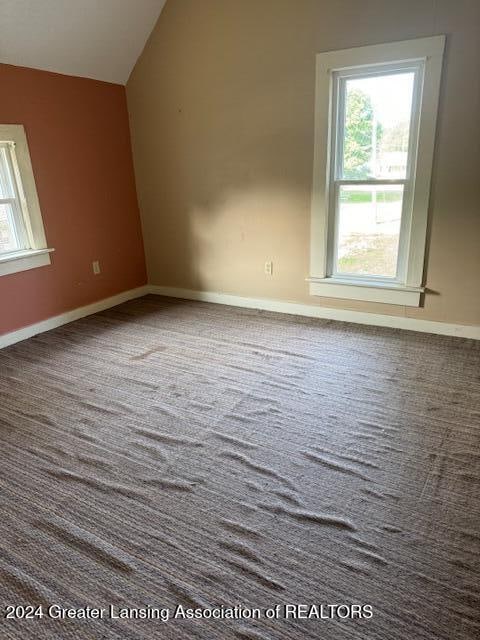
[[166, 459]]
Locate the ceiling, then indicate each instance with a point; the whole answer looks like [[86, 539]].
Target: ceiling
[[99, 39]]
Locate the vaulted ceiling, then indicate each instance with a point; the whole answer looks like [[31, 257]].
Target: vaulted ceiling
[[99, 39]]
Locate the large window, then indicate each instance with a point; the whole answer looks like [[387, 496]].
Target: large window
[[375, 123], [22, 238]]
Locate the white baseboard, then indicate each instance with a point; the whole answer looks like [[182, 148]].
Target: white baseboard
[[51, 323], [316, 311], [294, 308]]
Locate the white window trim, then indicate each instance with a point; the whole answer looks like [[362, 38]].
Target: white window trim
[[38, 253], [407, 291]]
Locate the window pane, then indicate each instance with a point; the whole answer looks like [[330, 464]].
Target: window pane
[[6, 183], [8, 238], [377, 126], [369, 230]]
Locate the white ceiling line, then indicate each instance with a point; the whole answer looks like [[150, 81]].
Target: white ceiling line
[[100, 39]]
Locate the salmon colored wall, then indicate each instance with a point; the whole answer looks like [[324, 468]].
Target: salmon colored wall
[[79, 140]]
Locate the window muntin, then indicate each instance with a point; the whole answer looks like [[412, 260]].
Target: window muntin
[[374, 139], [13, 231]]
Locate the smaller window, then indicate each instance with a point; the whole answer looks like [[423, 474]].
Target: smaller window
[[22, 237], [375, 123], [13, 231]]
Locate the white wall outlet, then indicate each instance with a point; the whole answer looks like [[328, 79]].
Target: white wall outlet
[[96, 267], [269, 268]]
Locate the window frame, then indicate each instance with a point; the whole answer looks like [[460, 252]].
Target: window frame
[[424, 56], [339, 82], [34, 252]]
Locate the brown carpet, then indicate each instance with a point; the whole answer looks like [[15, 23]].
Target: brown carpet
[[168, 452]]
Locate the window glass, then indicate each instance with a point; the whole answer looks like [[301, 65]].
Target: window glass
[[369, 229], [12, 228], [6, 183], [376, 127], [8, 236]]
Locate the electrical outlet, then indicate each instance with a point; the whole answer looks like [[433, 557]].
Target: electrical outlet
[[269, 268], [96, 267]]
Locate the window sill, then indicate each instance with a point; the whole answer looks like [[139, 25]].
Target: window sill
[[24, 260], [387, 293]]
